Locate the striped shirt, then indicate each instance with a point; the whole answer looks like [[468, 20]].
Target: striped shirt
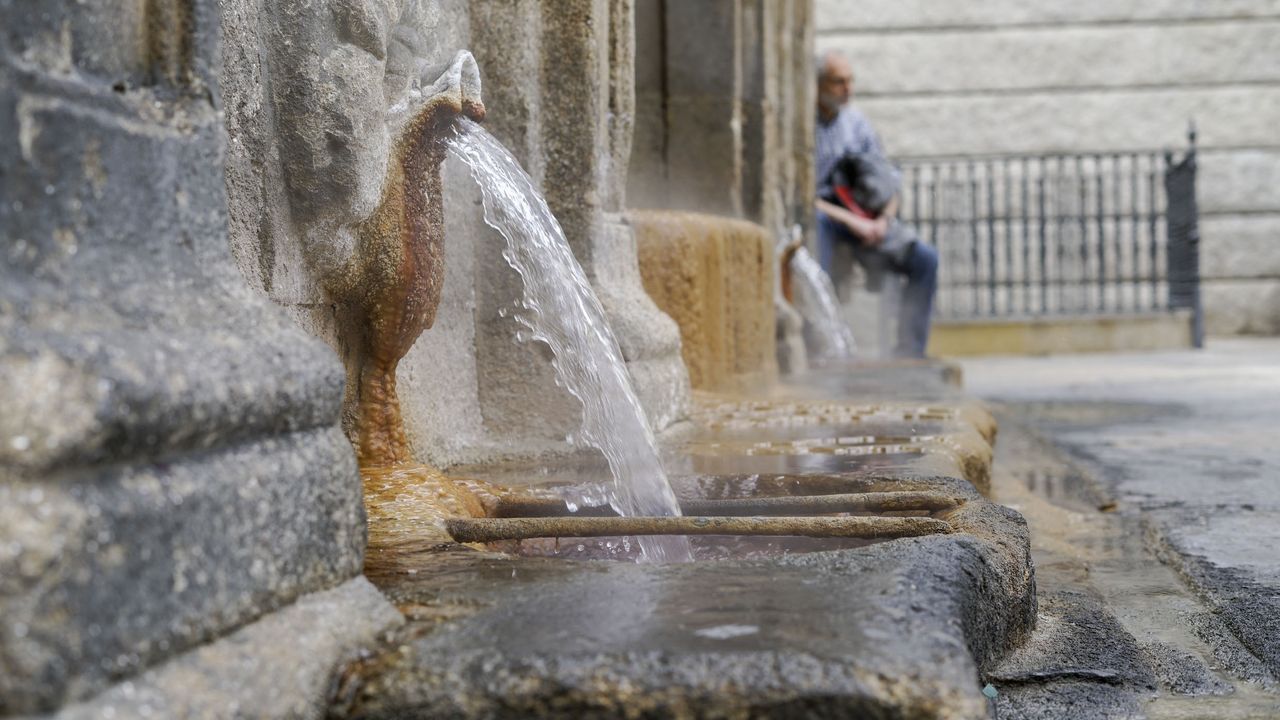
[[849, 131]]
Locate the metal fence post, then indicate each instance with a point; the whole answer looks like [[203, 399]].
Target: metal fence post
[[1182, 220]]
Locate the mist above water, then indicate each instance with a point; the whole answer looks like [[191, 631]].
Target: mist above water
[[815, 297], [559, 308]]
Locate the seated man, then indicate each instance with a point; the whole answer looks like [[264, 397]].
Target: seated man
[[850, 156]]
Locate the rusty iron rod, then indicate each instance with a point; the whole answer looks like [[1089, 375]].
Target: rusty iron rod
[[817, 504], [493, 529], [783, 505]]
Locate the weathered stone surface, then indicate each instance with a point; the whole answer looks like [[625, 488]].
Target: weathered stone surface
[[1034, 122], [1240, 246], [1075, 638], [1181, 672], [1108, 56], [1080, 662], [443, 420], [116, 567], [171, 466], [722, 114], [1228, 651], [1237, 181], [1249, 307], [715, 277], [648, 337], [1068, 700], [281, 666], [876, 15], [1235, 575]]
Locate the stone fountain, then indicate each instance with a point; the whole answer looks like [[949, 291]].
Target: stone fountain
[[179, 460]]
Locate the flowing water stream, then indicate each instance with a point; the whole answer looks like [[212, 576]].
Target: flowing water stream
[[816, 298], [559, 308]]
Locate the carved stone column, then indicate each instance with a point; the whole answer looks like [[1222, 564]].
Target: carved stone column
[[171, 463]]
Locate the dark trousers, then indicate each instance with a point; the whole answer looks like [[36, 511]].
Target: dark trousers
[[920, 269]]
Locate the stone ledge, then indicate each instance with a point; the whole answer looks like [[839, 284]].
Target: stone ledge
[[281, 666], [1050, 335], [121, 567]]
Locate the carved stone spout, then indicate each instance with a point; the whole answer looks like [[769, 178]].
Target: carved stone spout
[[390, 288]]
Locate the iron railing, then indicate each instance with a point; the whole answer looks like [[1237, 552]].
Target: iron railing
[[1064, 234]]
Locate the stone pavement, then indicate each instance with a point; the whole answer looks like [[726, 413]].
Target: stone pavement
[[1157, 455]]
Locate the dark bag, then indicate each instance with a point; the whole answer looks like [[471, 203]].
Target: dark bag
[[870, 179], [870, 182]]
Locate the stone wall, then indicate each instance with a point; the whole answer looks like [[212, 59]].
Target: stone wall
[[1100, 75], [721, 125], [171, 461]]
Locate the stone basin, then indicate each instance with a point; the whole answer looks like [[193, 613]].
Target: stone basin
[[813, 627], [900, 627]]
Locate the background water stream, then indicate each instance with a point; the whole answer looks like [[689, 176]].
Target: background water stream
[[816, 297], [559, 308]]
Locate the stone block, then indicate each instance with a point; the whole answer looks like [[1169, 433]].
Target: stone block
[[716, 121], [1232, 116], [1241, 307], [1056, 57], [115, 567], [279, 667], [1236, 181], [701, 59], [704, 155], [172, 465], [879, 15], [1240, 246], [714, 276]]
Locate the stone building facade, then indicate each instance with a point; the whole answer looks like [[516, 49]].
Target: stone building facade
[[1011, 77]]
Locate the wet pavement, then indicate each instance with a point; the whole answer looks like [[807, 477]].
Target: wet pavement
[[1151, 483]]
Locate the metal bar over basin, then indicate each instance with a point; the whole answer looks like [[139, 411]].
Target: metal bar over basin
[[782, 505], [493, 529]]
